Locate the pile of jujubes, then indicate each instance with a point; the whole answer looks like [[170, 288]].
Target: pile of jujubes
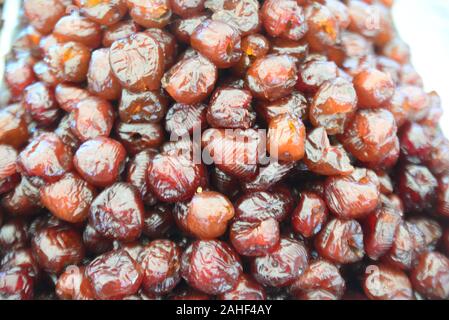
[[97, 201]]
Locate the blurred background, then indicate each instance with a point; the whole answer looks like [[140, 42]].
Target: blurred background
[[424, 25]]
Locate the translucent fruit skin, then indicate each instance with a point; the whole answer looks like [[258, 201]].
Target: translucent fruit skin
[[69, 199], [57, 247], [46, 157], [286, 138], [160, 262], [430, 276], [179, 84], [174, 179], [117, 213], [209, 214], [272, 77], [211, 267], [353, 196], [100, 161], [385, 283], [319, 275], [137, 62], [281, 266], [341, 241], [114, 275], [217, 41], [219, 150], [284, 18]]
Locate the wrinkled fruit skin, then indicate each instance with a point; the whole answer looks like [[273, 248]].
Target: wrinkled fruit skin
[[211, 267]]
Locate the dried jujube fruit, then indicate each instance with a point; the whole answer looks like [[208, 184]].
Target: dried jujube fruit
[[211, 267], [117, 213]]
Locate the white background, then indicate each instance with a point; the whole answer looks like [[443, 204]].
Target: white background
[[424, 25]]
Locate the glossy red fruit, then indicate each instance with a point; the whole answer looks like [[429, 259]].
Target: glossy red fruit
[[443, 196], [417, 188], [19, 75], [183, 119], [379, 231], [191, 80], [295, 105], [46, 157], [173, 178], [150, 14], [231, 108], [408, 244], [114, 275], [323, 158], [13, 128], [39, 101], [147, 106], [381, 282], [243, 15], [246, 289], [103, 12], [21, 258], [431, 229], [137, 62], [353, 196], [268, 176], [100, 79], [16, 284], [68, 96], [446, 240], [182, 29], [430, 277], [272, 77], [187, 8], [372, 138], [282, 265], [160, 262], [93, 117], [137, 175], [208, 215], [24, 200], [333, 106], [158, 222], [374, 88], [284, 19], [310, 215], [43, 15], [324, 30], [236, 152], [314, 72], [255, 238], [341, 242], [211, 267], [74, 285], [68, 199], [57, 247], [94, 242], [137, 137], [13, 235], [286, 138], [320, 275], [261, 205], [8, 168], [120, 30], [415, 142], [117, 213], [79, 29], [100, 161], [217, 41], [68, 62]]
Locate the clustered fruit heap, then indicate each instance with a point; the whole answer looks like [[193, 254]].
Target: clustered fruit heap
[[97, 203]]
